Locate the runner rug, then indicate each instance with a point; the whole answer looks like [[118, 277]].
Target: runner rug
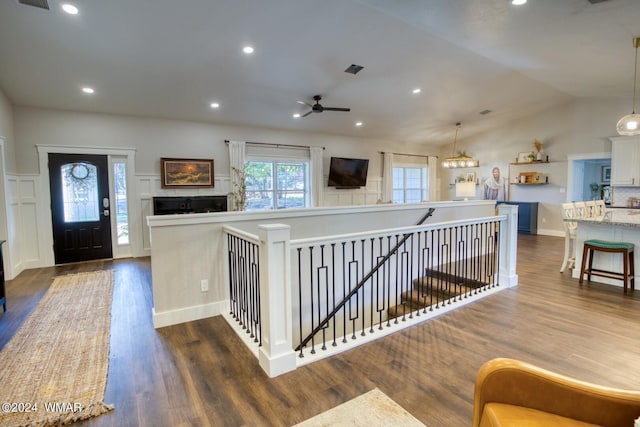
[[54, 369], [373, 408]]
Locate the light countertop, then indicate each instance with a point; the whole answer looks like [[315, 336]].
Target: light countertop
[[615, 216]]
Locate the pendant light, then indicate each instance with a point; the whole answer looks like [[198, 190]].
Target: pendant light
[[461, 160], [629, 125]]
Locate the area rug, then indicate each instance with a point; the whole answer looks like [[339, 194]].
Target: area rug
[[373, 408], [54, 369]]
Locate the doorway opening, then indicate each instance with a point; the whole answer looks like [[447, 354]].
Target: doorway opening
[[589, 177]]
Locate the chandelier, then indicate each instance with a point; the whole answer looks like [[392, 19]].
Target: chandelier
[[461, 160], [630, 124]]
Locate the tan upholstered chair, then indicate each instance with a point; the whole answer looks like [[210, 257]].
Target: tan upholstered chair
[[514, 393]]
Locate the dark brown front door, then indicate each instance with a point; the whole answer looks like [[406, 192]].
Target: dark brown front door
[[80, 207]]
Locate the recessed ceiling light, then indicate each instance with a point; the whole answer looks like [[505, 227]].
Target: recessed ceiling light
[[88, 90], [518, 2], [247, 49], [296, 116], [215, 105], [70, 9], [358, 124], [417, 90]]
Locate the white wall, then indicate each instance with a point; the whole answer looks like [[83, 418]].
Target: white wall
[[10, 220], [579, 127], [156, 138], [7, 131]]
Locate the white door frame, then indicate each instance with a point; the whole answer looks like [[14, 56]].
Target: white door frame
[[45, 241], [575, 170]]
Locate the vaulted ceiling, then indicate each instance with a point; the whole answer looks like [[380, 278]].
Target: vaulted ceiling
[[172, 59]]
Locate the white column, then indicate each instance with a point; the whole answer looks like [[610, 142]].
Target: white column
[[508, 246], [276, 354]]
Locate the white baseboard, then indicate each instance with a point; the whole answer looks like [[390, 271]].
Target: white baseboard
[[548, 232], [188, 314]]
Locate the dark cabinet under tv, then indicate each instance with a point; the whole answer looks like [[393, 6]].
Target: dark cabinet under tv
[[185, 205]]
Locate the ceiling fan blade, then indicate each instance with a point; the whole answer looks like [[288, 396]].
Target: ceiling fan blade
[[304, 103], [306, 114], [336, 109]]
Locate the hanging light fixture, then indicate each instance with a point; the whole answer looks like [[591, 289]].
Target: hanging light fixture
[[460, 160], [630, 124]]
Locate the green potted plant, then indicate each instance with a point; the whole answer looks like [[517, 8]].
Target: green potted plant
[[239, 193], [595, 190]]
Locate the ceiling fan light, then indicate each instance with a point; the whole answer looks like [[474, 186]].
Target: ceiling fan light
[[629, 125]]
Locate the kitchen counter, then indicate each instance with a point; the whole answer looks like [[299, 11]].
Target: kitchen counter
[[616, 225], [615, 216]]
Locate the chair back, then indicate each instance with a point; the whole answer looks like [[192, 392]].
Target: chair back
[[569, 212], [601, 208], [580, 209], [590, 209]]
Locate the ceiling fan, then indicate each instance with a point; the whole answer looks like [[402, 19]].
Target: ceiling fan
[[317, 108]]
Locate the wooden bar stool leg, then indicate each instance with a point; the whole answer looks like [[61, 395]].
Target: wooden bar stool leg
[[591, 252], [632, 270], [585, 253], [625, 269]]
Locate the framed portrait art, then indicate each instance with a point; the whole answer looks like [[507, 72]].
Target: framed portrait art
[[186, 173], [606, 174]]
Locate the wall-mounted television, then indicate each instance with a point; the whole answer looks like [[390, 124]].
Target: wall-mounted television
[[348, 173]]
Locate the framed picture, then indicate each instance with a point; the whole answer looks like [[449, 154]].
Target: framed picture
[[186, 173], [524, 157], [606, 174], [471, 177]]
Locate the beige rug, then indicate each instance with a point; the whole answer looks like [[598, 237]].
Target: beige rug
[[371, 409], [54, 369]]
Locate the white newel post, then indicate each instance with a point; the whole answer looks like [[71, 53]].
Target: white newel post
[[276, 354], [508, 246]]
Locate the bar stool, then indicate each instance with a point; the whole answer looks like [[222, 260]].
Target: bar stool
[[626, 249], [570, 229]]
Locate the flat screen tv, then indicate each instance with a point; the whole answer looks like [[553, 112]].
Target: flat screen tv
[[348, 173]]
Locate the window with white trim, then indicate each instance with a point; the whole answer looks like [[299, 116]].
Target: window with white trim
[[277, 184], [410, 184]]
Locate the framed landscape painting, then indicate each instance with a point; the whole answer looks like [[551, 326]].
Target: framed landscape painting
[[186, 173]]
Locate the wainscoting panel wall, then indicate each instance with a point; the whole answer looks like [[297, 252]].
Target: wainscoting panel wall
[[368, 195], [22, 201], [25, 206]]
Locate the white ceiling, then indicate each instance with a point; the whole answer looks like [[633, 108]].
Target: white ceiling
[[171, 59]]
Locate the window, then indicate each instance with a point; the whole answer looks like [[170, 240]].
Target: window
[[80, 192], [276, 184], [121, 211], [409, 184]]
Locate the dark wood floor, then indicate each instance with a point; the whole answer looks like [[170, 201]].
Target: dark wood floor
[[200, 373]]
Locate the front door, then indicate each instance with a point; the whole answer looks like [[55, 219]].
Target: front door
[[80, 207]]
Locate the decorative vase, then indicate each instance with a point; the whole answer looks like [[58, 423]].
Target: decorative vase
[[539, 156]]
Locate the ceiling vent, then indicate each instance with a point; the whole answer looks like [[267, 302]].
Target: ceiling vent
[[354, 69], [42, 4], [597, 1]]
